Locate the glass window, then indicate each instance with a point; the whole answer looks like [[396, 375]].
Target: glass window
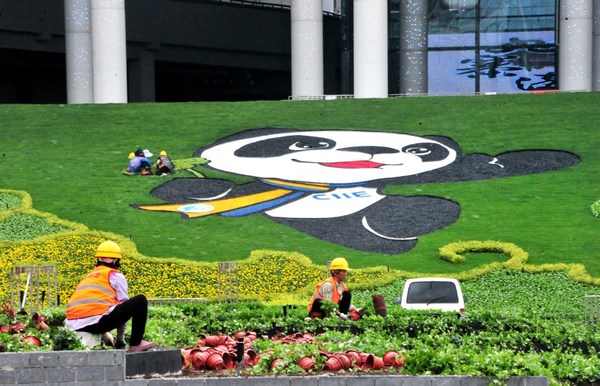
[[432, 292], [491, 46]]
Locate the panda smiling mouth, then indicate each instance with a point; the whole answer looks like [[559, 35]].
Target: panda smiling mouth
[[353, 164]]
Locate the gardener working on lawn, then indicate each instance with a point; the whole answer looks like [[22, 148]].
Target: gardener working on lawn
[[334, 290], [101, 302]]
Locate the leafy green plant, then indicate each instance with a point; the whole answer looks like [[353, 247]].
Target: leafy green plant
[[9, 201], [20, 226], [65, 339], [595, 207]]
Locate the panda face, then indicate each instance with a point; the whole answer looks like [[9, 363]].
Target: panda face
[[330, 157]]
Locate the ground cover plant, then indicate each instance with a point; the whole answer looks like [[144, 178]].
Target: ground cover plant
[[525, 248], [515, 334]]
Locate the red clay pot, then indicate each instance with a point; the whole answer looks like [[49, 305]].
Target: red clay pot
[[240, 335], [186, 357], [355, 358], [373, 362], [333, 363], [345, 360], [31, 340], [277, 362], [393, 358], [228, 361], [199, 359], [215, 361], [249, 357], [307, 363], [222, 348], [379, 305], [215, 340]]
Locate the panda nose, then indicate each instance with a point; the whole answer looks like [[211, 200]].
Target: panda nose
[[371, 149]]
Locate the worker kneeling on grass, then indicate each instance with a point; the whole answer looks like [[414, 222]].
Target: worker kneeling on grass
[[101, 303], [334, 290]]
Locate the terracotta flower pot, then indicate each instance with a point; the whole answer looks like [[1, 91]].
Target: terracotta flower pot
[[373, 362], [316, 315], [345, 360], [240, 335], [363, 359], [228, 361], [393, 359], [186, 357], [307, 363], [333, 363], [30, 339], [277, 362], [199, 359], [222, 348], [18, 327], [215, 361], [258, 356], [355, 358], [215, 340], [250, 357], [379, 305]]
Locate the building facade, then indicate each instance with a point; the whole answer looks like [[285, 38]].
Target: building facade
[[202, 50]]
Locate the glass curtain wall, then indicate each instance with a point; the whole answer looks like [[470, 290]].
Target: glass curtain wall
[[492, 46]]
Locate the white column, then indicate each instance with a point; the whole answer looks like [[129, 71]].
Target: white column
[[307, 48], [413, 46], [596, 47], [110, 51], [78, 51], [575, 45], [370, 49]]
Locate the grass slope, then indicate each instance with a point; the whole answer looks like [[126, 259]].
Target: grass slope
[[69, 158]]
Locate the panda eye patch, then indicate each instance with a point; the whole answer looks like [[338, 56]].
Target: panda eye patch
[[427, 151], [304, 145], [417, 150], [279, 146]]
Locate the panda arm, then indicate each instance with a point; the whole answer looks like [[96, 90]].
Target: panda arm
[[480, 166], [185, 190]]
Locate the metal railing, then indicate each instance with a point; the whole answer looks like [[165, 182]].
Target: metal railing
[[168, 301], [34, 287], [591, 309]]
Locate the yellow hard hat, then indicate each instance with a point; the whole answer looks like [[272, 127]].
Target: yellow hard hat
[[108, 249], [339, 263], [162, 152]]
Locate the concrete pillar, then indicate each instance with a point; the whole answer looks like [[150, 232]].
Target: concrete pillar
[[141, 73], [575, 45], [307, 48], [596, 47], [78, 51], [413, 46], [110, 51], [370, 49]]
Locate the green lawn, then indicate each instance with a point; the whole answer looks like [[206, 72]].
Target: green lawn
[[69, 158]]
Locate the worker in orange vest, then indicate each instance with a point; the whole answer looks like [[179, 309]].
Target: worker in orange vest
[[334, 290], [101, 303]]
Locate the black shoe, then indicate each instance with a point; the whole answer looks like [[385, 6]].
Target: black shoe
[[120, 344]]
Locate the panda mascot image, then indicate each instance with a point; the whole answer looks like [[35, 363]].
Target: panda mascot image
[[329, 183]]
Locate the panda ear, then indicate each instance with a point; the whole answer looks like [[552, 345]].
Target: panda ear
[[251, 133], [448, 142]]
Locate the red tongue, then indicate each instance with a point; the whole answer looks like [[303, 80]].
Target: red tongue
[[353, 164]]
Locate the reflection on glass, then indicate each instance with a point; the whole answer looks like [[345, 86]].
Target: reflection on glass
[[491, 46]]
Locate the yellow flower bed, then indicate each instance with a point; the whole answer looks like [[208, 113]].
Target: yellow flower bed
[[264, 274]]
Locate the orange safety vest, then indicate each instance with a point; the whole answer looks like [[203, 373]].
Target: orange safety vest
[[93, 295], [336, 295]]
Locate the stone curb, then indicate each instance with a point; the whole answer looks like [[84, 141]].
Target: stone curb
[[110, 367]]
